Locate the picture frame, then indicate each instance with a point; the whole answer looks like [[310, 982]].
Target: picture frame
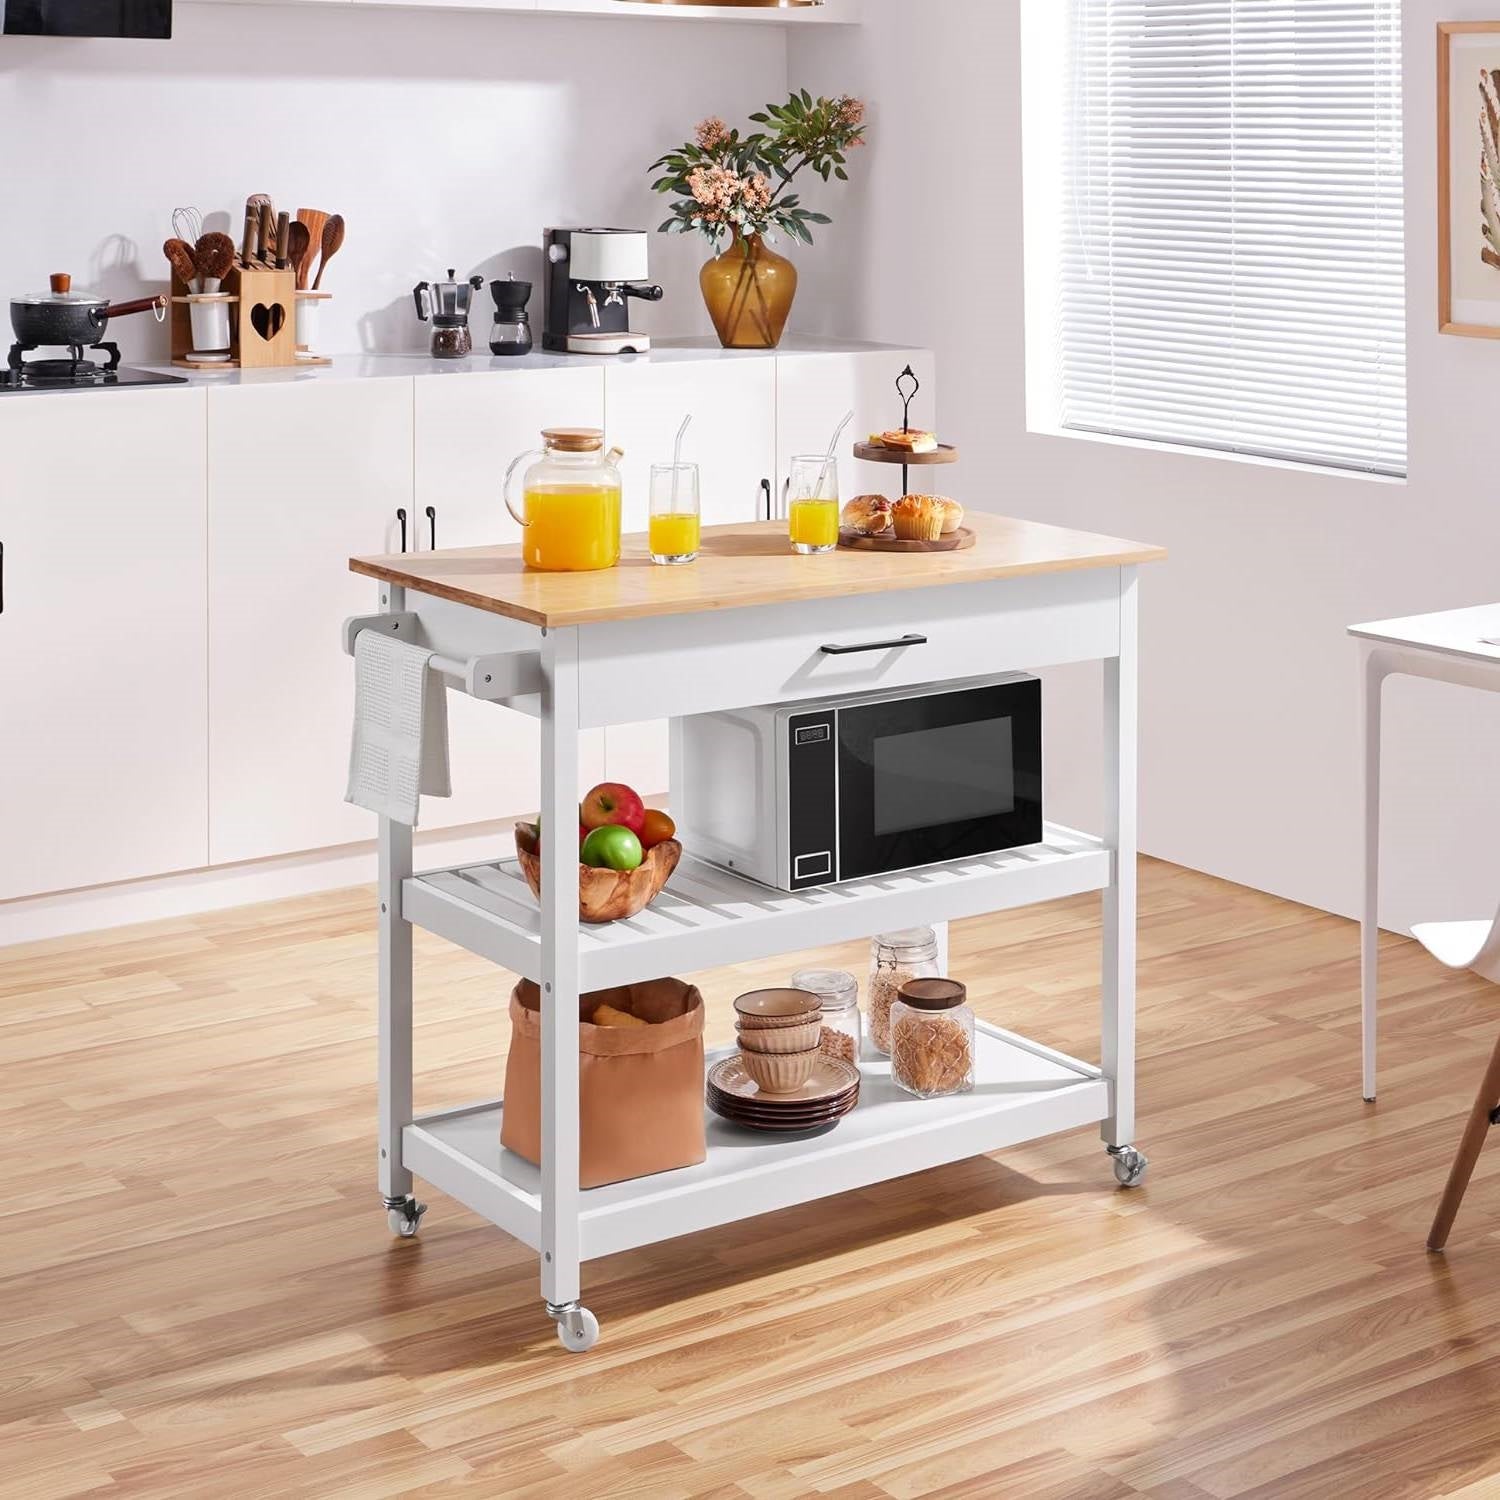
[[1468, 178]]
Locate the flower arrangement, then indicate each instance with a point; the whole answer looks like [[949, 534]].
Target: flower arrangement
[[739, 185]]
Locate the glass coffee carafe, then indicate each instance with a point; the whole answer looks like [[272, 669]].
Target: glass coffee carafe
[[572, 498], [446, 305]]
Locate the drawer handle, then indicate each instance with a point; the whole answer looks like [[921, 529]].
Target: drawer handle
[[896, 645], [401, 516]]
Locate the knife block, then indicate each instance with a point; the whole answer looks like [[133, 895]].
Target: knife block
[[262, 322]]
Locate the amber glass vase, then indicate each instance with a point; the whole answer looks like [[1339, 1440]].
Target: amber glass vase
[[749, 290]]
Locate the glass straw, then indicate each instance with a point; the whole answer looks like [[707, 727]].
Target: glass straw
[[833, 443], [677, 454]]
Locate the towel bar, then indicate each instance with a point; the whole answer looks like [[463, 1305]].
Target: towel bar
[[493, 678]]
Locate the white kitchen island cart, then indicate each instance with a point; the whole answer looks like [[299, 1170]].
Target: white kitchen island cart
[[748, 624]]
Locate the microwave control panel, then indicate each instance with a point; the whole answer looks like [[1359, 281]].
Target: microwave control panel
[[812, 798]]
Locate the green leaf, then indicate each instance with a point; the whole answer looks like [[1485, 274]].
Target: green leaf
[[807, 99], [818, 219]]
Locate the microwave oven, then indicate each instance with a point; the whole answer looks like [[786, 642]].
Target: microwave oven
[[813, 793]]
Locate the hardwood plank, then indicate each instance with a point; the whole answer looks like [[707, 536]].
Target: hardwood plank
[[201, 1293]]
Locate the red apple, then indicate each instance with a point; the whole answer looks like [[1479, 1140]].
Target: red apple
[[612, 802]]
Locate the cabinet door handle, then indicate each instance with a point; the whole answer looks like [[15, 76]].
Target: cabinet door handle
[[765, 490], [432, 523], [401, 517], [896, 645]]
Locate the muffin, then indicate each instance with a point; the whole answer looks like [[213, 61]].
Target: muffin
[[953, 514], [867, 515], [918, 518]]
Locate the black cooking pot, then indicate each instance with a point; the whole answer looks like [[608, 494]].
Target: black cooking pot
[[71, 317]]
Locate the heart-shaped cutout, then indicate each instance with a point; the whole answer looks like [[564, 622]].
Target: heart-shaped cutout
[[267, 321]]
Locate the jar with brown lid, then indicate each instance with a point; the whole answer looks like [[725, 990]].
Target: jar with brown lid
[[932, 1038], [896, 957]]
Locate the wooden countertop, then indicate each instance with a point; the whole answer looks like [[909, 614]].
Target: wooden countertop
[[740, 565]]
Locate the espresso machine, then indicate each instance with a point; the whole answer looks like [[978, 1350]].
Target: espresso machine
[[591, 276]]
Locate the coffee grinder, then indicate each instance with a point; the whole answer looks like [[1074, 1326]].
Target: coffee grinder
[[591, 274], [510, 333]]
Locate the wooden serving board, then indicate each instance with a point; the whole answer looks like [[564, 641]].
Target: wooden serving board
[[878, 453], [888, 541]]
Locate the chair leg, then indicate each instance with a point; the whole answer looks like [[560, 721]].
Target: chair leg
[[1483, 1115]]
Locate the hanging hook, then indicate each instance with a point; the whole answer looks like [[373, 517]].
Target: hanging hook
[[906, 399]]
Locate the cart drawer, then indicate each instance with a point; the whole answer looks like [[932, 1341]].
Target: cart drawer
[[672, 666]]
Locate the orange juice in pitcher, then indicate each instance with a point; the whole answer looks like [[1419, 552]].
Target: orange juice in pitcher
[[572, 499]]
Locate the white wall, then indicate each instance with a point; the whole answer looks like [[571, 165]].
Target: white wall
[[445, 139], [1250, 746]]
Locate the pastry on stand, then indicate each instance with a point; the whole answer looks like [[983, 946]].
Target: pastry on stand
[[914, 523]]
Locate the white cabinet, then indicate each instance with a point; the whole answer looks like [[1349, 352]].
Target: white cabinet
[[732, 402], [301, 476], [468, 430], [815, 390], [103, 758]]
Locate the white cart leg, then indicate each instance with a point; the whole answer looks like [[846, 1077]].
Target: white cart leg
[[402, 1209], [561, 1282], [1372, 674], [1117, 1050]]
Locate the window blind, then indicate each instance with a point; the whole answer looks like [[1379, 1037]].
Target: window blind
[[1232, 268]]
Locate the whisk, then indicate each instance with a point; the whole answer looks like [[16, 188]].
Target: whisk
[[187, 224]]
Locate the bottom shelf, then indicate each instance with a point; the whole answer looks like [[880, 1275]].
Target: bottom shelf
[[1022, 1091]]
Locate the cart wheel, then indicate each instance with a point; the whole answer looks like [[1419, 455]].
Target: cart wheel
[[577, 1329], [404, 1215], [1130, 1165]]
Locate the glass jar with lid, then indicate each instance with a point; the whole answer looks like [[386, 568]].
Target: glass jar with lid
[[932, 1038], [571, 498], [895, 958], [839, 994]]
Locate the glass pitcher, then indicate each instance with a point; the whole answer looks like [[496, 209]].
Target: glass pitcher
[[572, 498]]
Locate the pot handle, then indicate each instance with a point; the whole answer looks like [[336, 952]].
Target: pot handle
[[510, 474], [158, 305], [418, 294]]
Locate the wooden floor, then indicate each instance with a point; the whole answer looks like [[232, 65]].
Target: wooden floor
[[200, 1295]]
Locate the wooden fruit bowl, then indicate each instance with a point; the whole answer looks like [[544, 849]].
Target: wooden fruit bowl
[[604, 895]]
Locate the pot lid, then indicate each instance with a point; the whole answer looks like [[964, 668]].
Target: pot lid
[[33, 299]]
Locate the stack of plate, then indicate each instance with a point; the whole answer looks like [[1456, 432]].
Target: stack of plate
[[829, 1095]]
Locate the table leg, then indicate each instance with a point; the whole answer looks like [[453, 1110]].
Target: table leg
[[561, 1271], [1372, 673], [395, 1004], [1117, 1049]]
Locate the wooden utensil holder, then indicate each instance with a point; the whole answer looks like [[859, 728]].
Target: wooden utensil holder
[[262, 323]]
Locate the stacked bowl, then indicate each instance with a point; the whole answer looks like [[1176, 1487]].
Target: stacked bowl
[[781, 1079]]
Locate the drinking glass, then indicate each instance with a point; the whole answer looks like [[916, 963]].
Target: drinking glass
[[813, 503], [674, 513]]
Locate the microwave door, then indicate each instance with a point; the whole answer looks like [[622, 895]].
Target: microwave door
[[938, 777]]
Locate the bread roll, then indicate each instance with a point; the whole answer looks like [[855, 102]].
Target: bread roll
[[953, 514], [867, 515], [918, 518], [607, 1015]]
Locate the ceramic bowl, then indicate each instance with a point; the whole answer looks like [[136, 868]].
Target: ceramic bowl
[[780, 1072], [780, 1038], [604, 895], [766, 1009]]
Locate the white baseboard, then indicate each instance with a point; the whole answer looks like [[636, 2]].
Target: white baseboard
[[63, 914]]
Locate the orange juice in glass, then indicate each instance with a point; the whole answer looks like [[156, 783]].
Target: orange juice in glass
[[572, 503], [813, 504], [674, 532]]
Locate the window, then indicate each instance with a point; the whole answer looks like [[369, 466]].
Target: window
[[1228, 238]]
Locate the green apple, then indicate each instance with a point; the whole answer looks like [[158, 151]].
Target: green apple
[[613, 847]]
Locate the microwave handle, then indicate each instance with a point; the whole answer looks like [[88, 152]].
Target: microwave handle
[[896, 645]]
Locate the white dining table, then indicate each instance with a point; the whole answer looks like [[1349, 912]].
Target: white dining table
[[1460, 646]]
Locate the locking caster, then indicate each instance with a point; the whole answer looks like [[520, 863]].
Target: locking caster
[[404, 1215], [1130, 1165], [577, 1327]]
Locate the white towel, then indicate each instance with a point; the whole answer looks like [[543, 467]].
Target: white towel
[[400, 746]]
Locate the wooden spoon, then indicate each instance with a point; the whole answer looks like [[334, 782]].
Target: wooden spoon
[[297, 243], [180, 257], [315, 219], [333, 238]]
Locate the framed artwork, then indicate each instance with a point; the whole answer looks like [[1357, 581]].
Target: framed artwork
[[1469, 178]]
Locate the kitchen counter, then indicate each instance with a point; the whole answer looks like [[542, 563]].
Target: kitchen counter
[[409, 365], [739, 566]]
